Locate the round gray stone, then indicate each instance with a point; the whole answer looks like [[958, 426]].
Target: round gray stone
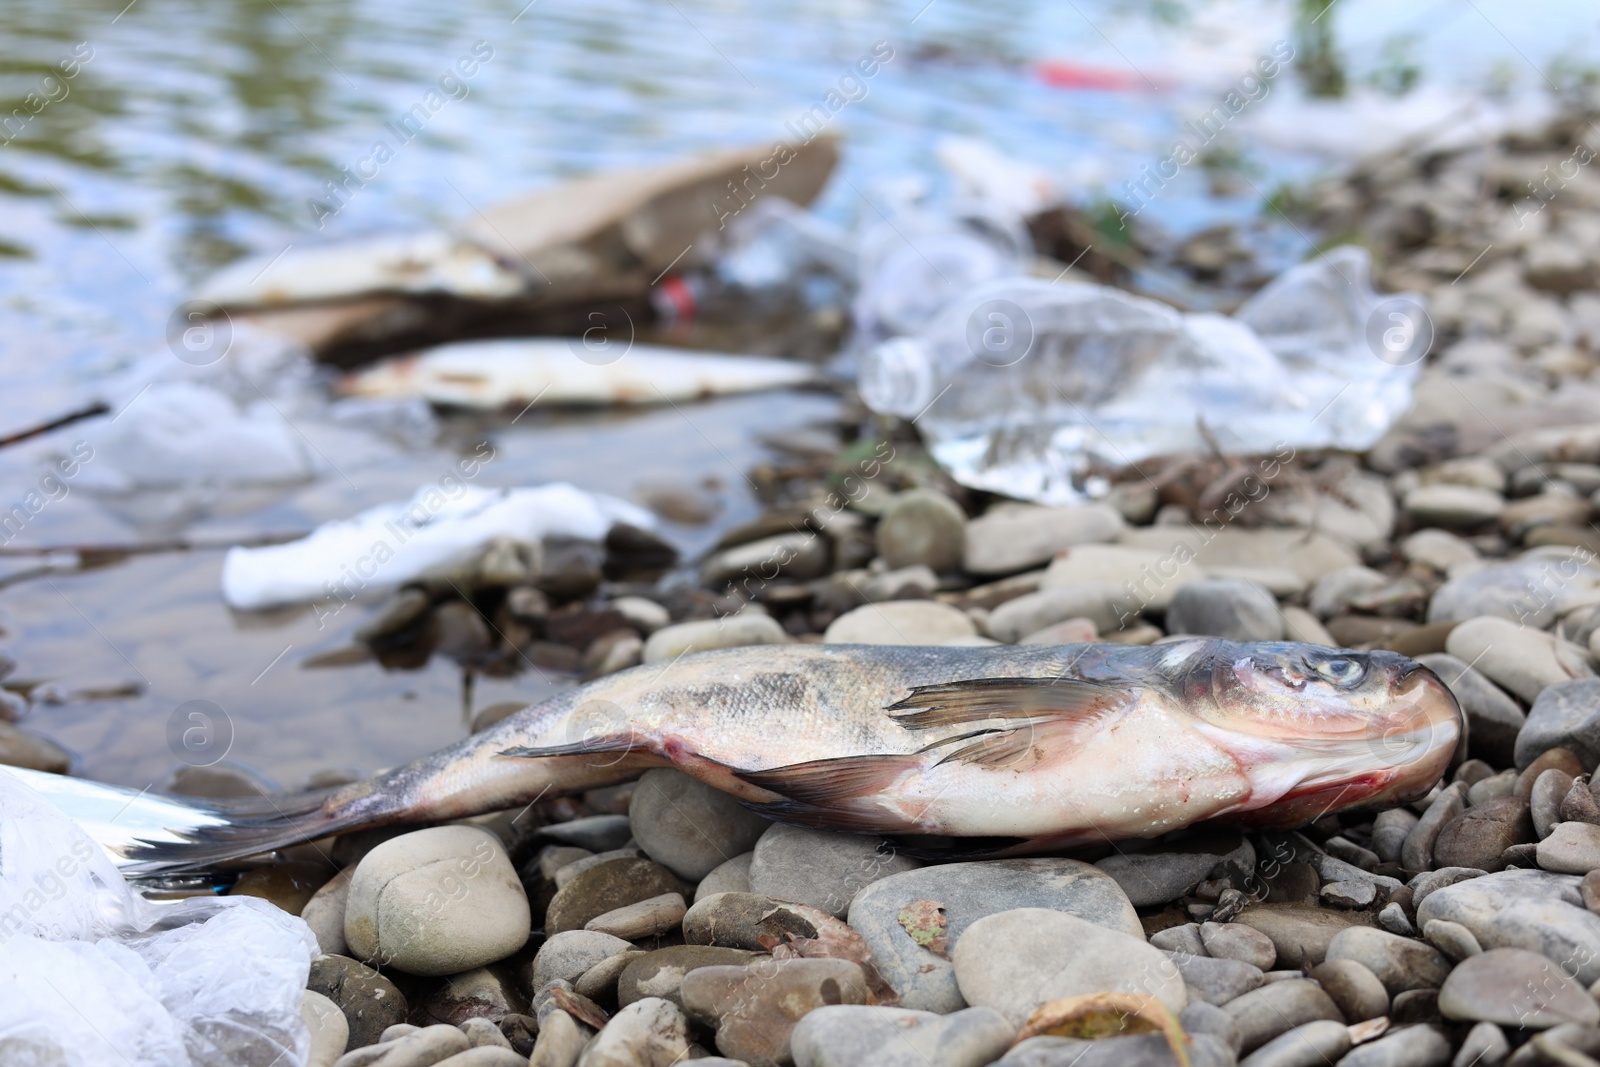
[[822, 869], [847, 1035], [1016, 960], [1517, 988], [1222, 607], [968, 892], [1565, 715], [1400, 963], [687, 826]]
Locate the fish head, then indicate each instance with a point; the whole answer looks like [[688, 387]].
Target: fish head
[[1318, 729]]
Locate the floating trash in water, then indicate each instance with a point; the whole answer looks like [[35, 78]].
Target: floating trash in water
[[1023, 387], [440, 530]]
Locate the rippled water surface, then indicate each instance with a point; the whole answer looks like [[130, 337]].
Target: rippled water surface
[[193, 131]]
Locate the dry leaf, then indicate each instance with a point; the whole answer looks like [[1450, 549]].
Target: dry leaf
[[1101, 1015]]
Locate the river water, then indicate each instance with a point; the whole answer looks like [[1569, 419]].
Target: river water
[[177, 135]]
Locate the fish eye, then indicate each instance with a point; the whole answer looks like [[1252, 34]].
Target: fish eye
[[1341, 670]]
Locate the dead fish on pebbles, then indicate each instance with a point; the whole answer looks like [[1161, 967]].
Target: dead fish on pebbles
[[502, 374], [1044, 747]]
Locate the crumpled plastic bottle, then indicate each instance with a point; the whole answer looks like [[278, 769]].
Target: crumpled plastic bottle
[[1024, 387], [95, 975]]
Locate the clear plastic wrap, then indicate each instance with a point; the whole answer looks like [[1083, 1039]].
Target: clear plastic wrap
[[1023, 387], [93, 974]]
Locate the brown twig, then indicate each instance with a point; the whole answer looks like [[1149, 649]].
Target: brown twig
[[99, 407]]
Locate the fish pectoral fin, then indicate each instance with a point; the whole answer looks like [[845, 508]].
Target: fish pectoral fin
[[978, 699], [991, 748], [833, 781]]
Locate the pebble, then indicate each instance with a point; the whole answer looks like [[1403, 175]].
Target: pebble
[[1438, 549], [660, 973], [596, 833], [1452, 939], [565, 957], [1032, 612], [748, 920], [1313, 1044], [1016, 960], [1066, 632], [1519, 590], [1232, 610], [1231, 941], [406, 909], [1349, 894], [647, 918], [967, 892], [1570, 847], [1564, 715], [1277, 1007], [1335, 590], [1544, 800], [1301, 934], [1389, 831], [1354, 989], [1492, 788], [922, 526], [824, 870], [1399, 962], [604, 888], [754, 1009], [800, 556], [1515, 988], [907, 583], [901, 622], [1493, 718], [23, 748], [423, 1047], [560, 1042], [1459, 507], [1215, 981], [567, 873], [600, 981], [1011, 538], [1529, 909], [330, 1030], [1166, 872], [1417, 853], [1185, 938], [850, 1036], [642, 614], [1413, 1046], [646, 1033], [1519, 659], [746, 628], [483, 992], [1478, 837], [324, 913], [1484, 1044], [1392, 917], [370, 1002], [1558, 758], [730, 877], [1300, 625], [1145, 1050], [687, 826]]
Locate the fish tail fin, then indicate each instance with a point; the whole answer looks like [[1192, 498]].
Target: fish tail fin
[[151, 834]]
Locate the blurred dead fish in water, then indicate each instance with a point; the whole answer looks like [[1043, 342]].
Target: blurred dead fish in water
[[499, 374], [396, 263], [1045, 747], [541, 261]]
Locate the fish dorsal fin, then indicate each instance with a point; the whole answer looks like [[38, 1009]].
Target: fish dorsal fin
[[979, 699]]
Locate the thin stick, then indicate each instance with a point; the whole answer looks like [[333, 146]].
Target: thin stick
[[105, 553], [99, 407]]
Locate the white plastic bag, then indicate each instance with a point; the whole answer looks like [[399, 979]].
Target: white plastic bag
[[434, 532], [95, 975]]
